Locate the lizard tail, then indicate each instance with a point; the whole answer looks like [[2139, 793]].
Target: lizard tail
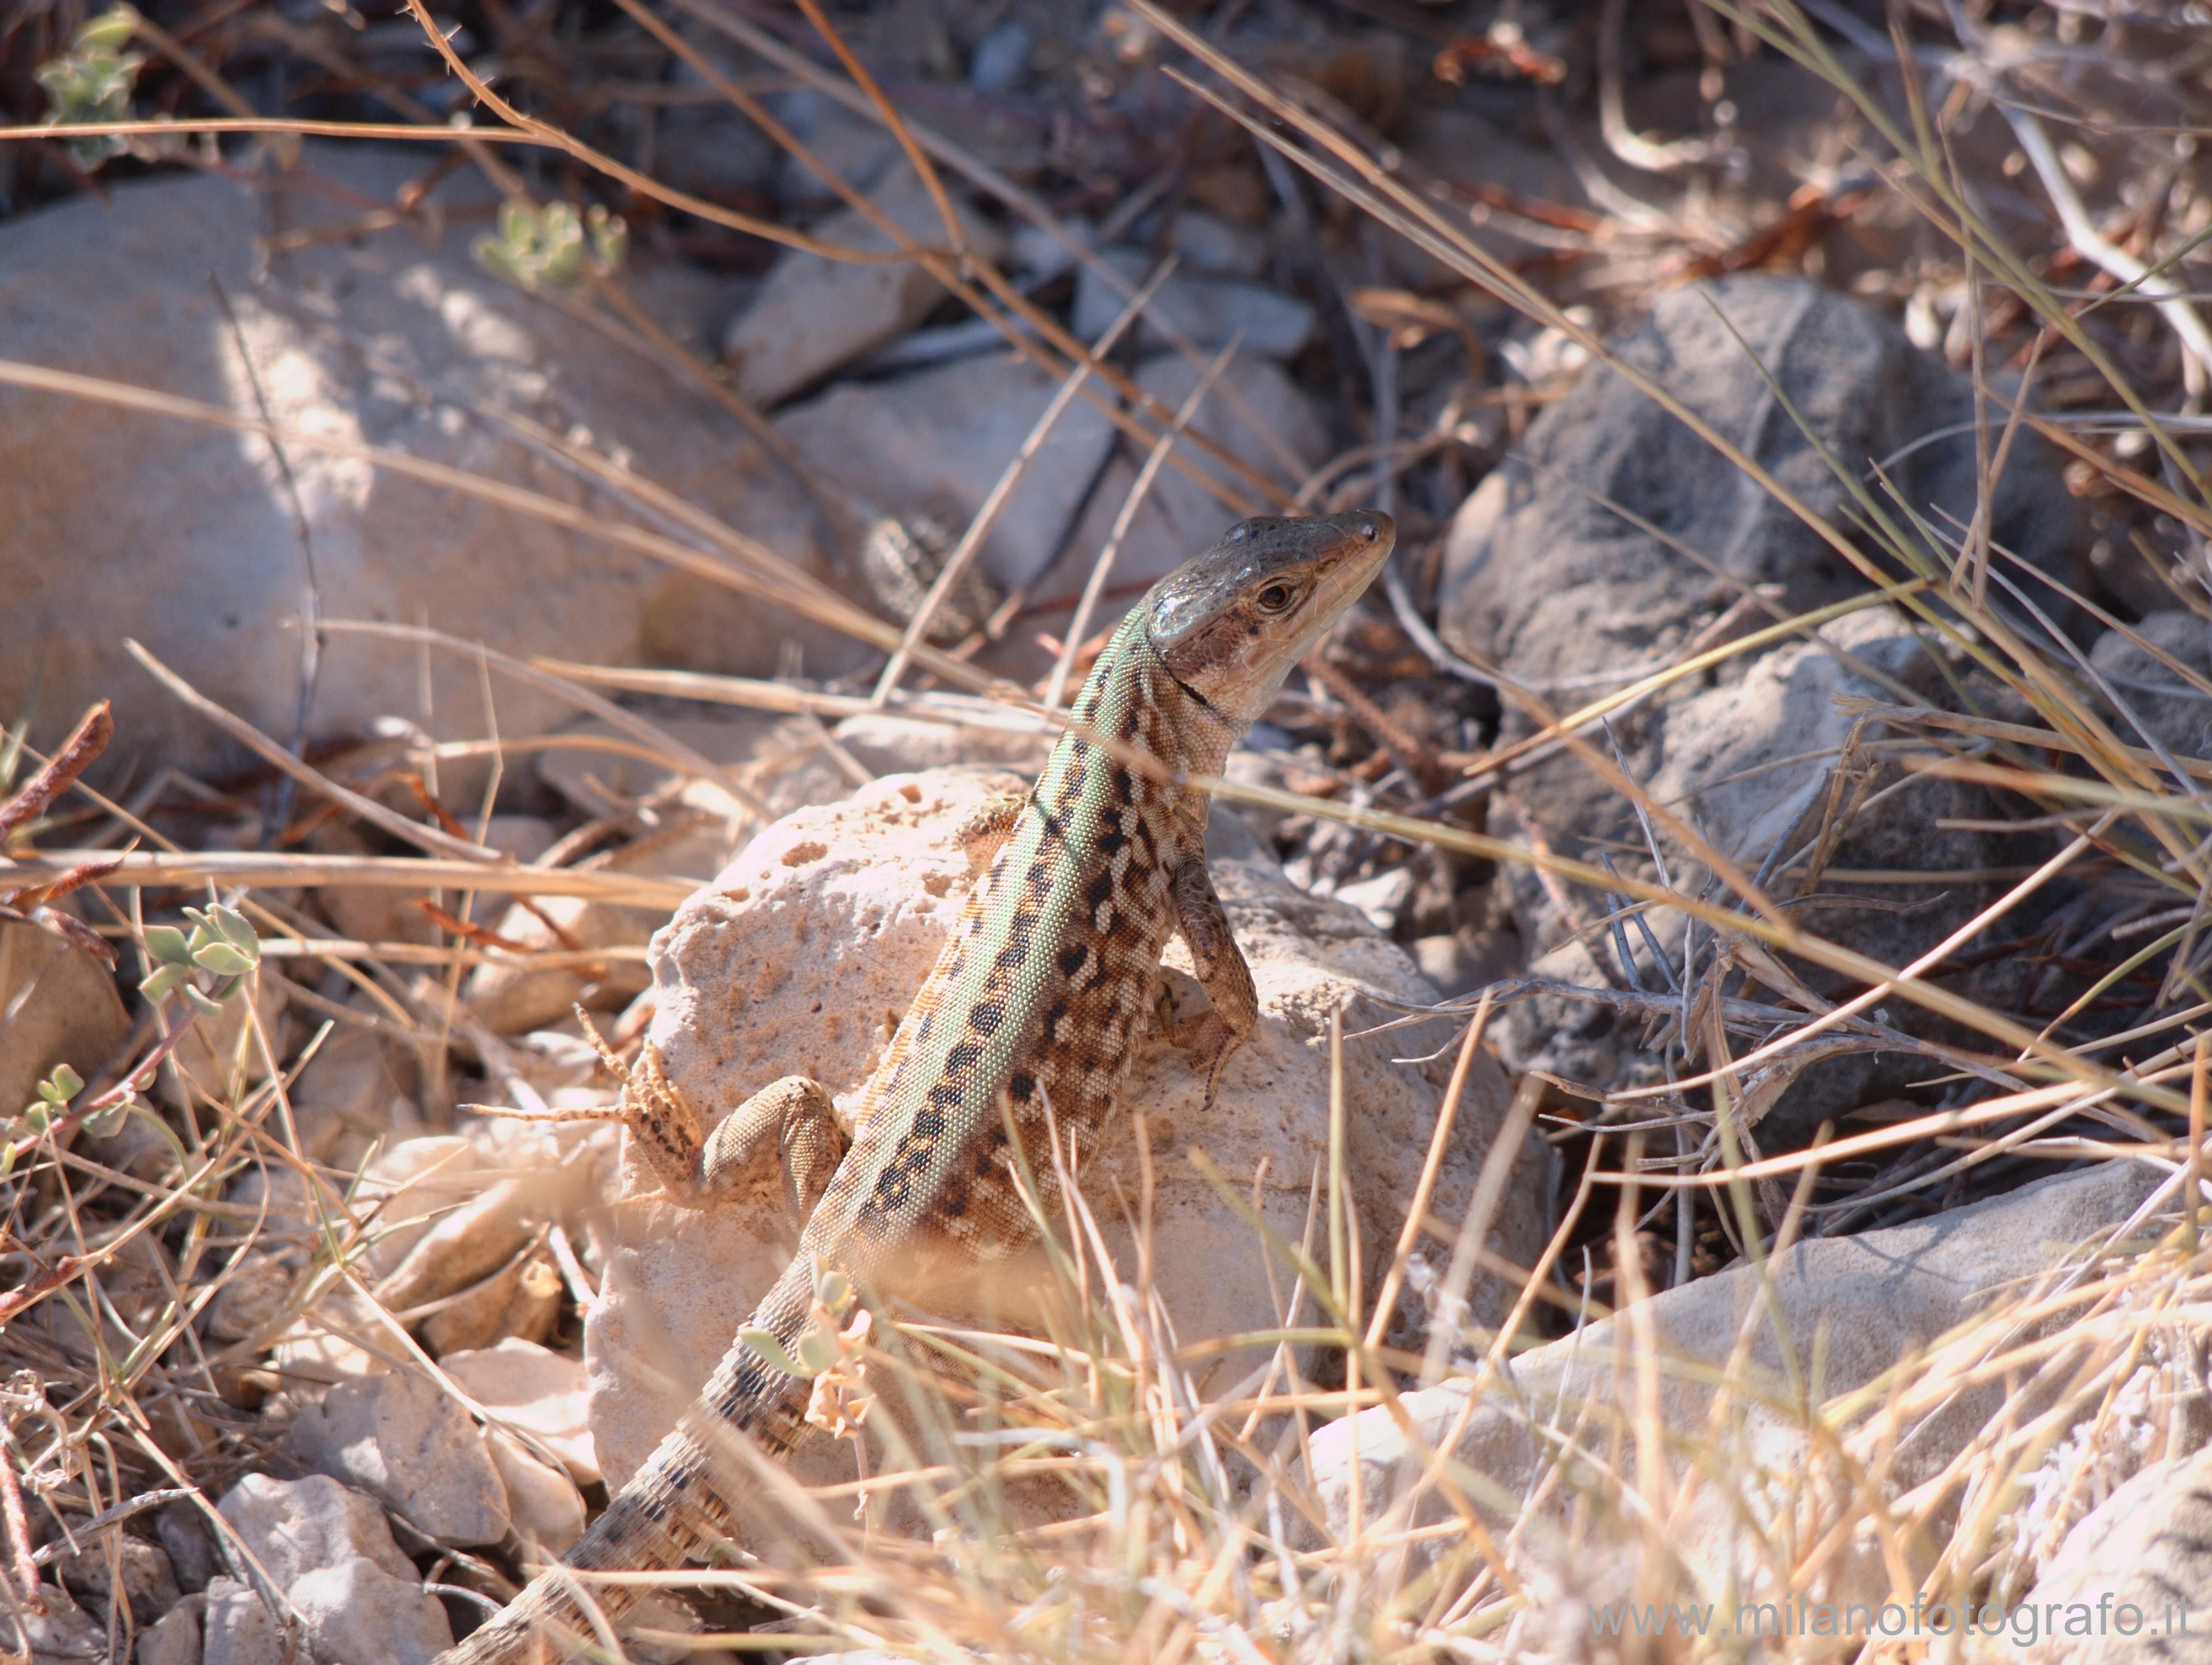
[[672, 1506]]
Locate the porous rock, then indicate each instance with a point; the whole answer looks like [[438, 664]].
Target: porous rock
[[1546, 579], [2148, 1548], [1857, 1306], [208, 572], [821, 932], [404, 1440]]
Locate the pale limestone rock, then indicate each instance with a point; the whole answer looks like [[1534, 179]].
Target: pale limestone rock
[[295, 1526], [820, 933], [814, 314], [2147, 1547], [405, 1441]]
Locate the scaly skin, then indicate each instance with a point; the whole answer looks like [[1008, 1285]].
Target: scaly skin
[[1040, 995]]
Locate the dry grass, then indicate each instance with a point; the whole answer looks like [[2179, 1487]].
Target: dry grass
[[1180, 1525]]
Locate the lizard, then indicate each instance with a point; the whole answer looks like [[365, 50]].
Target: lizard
[[1027, 1024]]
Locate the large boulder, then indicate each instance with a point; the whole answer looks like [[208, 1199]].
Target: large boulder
[[1614, 540], [386, 336]]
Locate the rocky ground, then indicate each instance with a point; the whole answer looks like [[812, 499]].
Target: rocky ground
[[1728, 911]]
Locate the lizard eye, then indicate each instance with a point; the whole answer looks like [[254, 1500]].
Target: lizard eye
[[1275, 598]]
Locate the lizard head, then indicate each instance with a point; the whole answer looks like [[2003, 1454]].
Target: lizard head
[[1232, 623]]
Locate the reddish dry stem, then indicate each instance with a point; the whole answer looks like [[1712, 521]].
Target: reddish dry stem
[[86, 742]]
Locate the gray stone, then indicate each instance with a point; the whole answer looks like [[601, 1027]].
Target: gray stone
[[1207, 311], [357, 1613], [404, 1441], [814, 314], [1210, 244], [148, 1585], [174, 1639], [1547, 581], [294, 1527], [1000, 61], [241, 1629], [935, 442], [189, 1543], [59, 1631], [205, 566], [1254, 412], [821, 931], [2178, 715], [1855, 1305]]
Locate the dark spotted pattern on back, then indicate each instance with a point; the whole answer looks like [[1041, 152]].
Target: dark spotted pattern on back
[[1044, 1000]]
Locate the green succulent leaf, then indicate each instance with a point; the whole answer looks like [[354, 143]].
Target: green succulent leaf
[[223, 960], [236, 929], [156, 986], [108, 1122], [763, 1342], [207, 1005], [167, 944]]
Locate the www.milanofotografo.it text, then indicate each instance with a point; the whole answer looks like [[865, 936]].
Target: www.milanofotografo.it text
[[1922, 1617]]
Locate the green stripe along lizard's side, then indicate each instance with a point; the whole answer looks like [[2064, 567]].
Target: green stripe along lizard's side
[[1039, 998]]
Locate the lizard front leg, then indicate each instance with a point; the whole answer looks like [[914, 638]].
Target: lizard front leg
[[788, 1125], [1209, 1037]]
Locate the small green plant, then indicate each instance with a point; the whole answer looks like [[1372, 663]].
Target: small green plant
[[222, 944], [92, 82], [53, 1096], [545, 248], [818, 1348]]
